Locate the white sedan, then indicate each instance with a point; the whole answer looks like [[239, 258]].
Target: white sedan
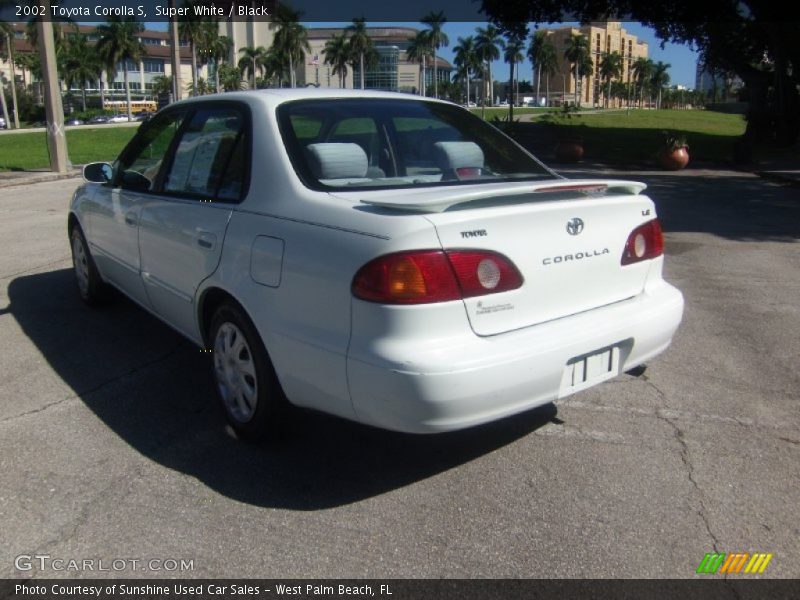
[[389, 259]]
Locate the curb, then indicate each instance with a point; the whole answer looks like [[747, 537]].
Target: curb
[[31, 178]]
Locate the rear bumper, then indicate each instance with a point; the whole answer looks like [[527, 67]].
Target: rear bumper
[[404, 379]]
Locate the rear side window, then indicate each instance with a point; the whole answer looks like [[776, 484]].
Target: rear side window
[[209, 157]]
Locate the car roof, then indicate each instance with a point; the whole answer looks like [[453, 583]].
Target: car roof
[[273, 97]]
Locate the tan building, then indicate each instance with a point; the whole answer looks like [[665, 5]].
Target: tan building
[[603, 37], [156, 62]]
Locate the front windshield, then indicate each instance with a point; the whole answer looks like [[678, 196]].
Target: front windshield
[[386, 143]]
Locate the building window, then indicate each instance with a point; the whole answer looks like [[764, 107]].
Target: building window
[[153, 66], [384, 75]]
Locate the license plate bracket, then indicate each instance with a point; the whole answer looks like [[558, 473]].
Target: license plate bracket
[[584, 371]]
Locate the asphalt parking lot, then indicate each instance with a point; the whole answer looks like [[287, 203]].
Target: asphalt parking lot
[[112, 447]]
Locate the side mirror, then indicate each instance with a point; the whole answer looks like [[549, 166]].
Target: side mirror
[[98, 172]]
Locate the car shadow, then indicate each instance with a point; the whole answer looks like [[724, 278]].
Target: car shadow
[[155, 391]]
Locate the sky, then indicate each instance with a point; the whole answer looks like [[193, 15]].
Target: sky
[[682, 58]]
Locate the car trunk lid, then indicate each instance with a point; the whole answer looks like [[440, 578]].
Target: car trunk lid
[[565, 237]]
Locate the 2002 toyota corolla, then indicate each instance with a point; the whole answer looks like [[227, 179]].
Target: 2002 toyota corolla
[[380, 257]]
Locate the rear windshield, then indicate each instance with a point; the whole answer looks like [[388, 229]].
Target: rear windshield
[[379, 144]]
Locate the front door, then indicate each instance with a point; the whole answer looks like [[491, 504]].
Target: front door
[[116, 210]]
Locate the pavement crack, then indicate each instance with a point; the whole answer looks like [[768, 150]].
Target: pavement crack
[[85, 393], [680, 437]]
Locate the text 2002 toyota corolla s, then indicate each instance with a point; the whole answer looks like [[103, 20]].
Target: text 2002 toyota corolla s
[[381, 257]]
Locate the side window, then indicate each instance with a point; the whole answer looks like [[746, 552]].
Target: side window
[[139, 166], [210, 156]]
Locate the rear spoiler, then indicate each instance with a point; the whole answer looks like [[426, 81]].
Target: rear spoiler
[[440, 199]]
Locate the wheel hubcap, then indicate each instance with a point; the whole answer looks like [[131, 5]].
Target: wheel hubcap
[[81, 265], [235, 372]]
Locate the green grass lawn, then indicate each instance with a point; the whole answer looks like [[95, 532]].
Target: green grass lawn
[[521, 110], [26, 151], [613, 137], [635, 138]]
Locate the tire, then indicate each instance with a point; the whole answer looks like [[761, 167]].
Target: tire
[[91, 287], [246, 383]]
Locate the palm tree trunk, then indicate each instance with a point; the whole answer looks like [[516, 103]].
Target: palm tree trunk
[[577, 98], [547, 89], [424, 76], [608, 96], [467, 89], [511, 89], [13, 80], [102, 93], [127, 92], [216, 75], [5, 106], [83, 95], [194, 69], [254, 72], [435, 78], [538, 83], [361, 58], [292, 81]]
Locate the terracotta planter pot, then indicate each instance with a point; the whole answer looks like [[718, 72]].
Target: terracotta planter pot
[[675, 160], [569, 151]]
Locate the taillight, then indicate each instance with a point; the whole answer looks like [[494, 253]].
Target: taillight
[[644, 242], [480, 272], [426, 276]]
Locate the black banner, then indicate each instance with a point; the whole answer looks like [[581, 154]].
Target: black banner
[[716, 588]]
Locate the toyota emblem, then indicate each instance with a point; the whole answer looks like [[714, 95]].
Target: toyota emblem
[[574, 226]]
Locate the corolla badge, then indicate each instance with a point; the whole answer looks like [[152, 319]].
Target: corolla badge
[[574, 226]]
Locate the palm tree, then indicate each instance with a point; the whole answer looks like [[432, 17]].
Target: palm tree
[[535, 50], [610, 68], [360, 43], [548, 64], [642, 71], [190, 29], [488, 42], [162, 84], [419, 49], [437, 39], [466, 59], [512, 54], [230, 78], [81, 64], [7, 33], [660, 78], [252, 62], [577, 53], [337, 54], [119, 44], [291, 38], [217, 48]]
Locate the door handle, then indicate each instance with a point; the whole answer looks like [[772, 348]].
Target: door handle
[[130, 219], [206, 240]]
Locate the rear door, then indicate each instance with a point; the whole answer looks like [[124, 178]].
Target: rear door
[[182, 228]]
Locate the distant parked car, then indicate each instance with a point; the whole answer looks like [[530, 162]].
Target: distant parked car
[[3, 123], [385, 258], [74, 122], [118, 119], [143, 116], [98, 120]]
